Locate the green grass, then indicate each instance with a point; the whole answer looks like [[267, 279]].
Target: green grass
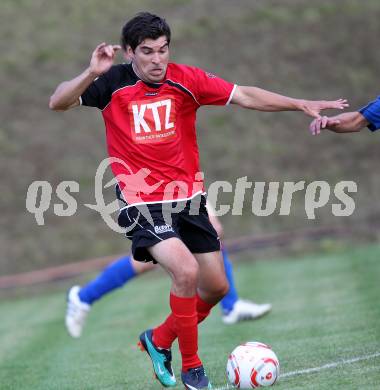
[[325, 310]]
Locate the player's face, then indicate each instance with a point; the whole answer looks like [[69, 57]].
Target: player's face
[[150, 59]]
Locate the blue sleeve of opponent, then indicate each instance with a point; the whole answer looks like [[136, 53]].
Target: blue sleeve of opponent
[[371, 112]]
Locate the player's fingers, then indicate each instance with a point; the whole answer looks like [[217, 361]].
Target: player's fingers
[[318, 126], [111, 50], [343, 101], [116, 47], [102, 51], [324, 121], [108, 51], [98, 50], [341, 104], [312, 126], [100, 46]]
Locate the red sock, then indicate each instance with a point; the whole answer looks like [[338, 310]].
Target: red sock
[[165, 334], [186, 326], [203, 308]]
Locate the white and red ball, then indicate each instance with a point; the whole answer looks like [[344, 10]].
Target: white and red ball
[[252, 365]]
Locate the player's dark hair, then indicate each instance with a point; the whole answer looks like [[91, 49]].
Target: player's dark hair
[[144, 25]]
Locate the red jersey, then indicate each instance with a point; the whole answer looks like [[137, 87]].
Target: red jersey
[[150, 129]]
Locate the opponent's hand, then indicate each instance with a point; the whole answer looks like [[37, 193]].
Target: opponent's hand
[[322, 122], [103, 58], [313, 108]]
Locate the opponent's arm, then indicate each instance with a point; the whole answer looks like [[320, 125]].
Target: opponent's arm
[[348, 122], [259, 99], [67, 94]]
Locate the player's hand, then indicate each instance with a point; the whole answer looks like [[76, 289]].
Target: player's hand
[[322, 122], [313, 108], [103, 58]]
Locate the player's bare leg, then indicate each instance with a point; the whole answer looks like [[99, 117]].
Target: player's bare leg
[[140, 267], [176, 259], [212, 281]]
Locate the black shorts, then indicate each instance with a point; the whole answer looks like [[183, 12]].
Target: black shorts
[[147, 225]]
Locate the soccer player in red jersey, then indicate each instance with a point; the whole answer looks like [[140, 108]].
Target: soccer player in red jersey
[[149, 109]]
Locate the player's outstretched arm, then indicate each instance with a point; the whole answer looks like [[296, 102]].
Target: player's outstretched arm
[[67, 94], [259, 99], [349, 122]]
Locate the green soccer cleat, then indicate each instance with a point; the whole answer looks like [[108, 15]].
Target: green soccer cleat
[[161, 359]]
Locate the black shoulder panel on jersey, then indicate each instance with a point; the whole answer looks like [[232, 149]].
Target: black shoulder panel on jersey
[[121, 76], [100, 91], [180, 87]]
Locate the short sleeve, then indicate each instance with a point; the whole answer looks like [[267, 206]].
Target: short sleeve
[[371, 112], [98, 94], [211, 89]]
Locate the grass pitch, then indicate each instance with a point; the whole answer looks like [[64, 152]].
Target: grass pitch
[[326, 316]]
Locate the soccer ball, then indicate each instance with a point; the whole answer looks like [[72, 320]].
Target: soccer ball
[[251, 365]]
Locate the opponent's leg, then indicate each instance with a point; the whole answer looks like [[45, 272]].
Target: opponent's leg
[[114, 276], [80, 299], [235, 309], [229, 300]]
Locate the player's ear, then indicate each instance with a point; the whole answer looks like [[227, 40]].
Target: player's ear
[[128, 54], [127, 58]]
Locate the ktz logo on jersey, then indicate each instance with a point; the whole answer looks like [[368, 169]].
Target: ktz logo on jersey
[[152, 120]]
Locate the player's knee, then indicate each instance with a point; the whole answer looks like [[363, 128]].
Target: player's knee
[[222, 289], [187, 275], [215, 291]]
